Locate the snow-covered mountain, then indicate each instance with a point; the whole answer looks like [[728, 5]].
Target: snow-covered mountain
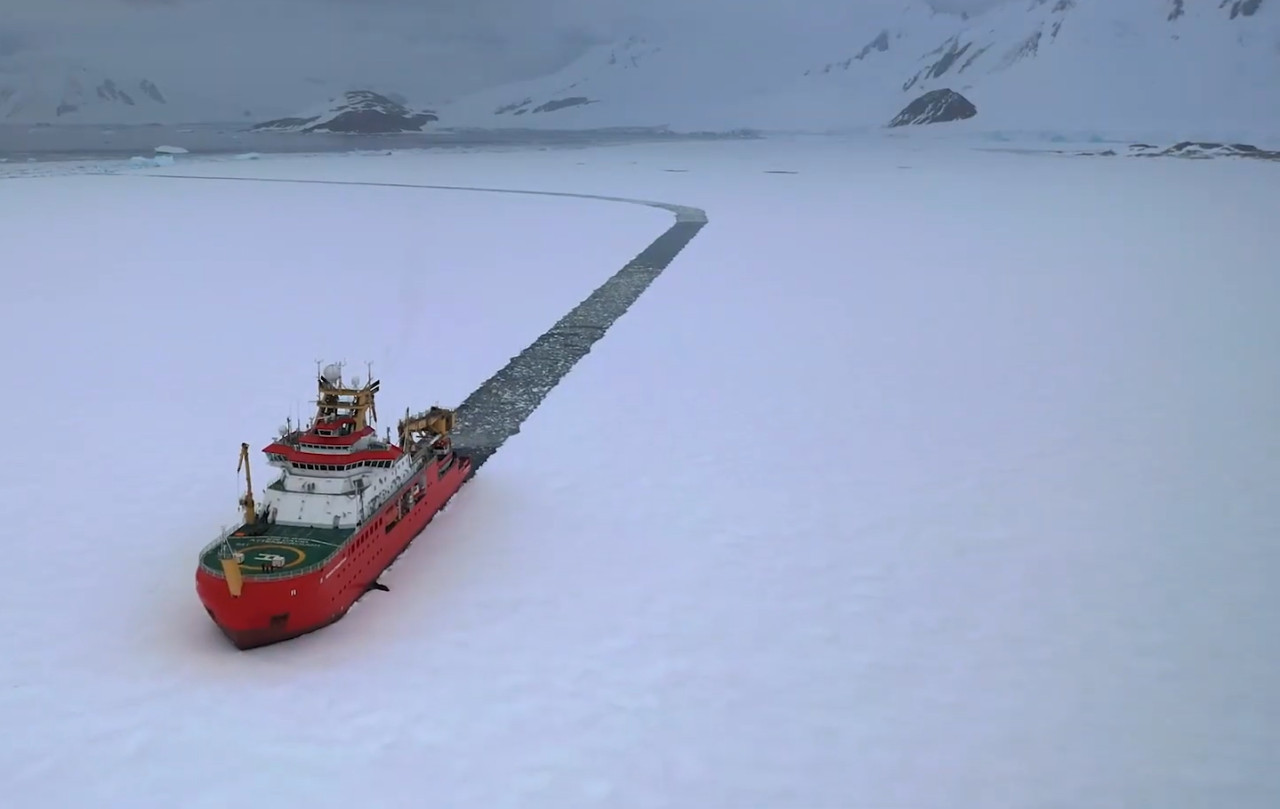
[[1194, 67], [355, 112], [58, 91], [51, 88], [1147, 69]]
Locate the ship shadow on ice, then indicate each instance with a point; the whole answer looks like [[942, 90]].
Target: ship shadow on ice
[[410, 602]]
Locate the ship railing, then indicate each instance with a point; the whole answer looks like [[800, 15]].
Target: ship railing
[[253, 574], [223, 536], [226, 533]]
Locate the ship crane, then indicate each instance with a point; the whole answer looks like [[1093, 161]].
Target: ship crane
[[426, 430], [246, 502]]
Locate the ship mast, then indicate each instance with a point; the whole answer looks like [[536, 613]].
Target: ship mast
[[246, 502], [338, 399]]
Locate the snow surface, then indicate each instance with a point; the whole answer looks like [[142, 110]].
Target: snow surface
[[162, 159], [924, 477]]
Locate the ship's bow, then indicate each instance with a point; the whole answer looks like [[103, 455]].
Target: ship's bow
[[254, 613]]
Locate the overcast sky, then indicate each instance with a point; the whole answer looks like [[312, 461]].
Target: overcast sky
[[535, 18], [468, 43], [55, 10]]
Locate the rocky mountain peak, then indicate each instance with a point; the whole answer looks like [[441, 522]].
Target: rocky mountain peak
[[70, 92], [362, 112]]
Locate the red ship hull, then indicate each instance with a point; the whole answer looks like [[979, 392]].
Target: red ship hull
[[274, 609]]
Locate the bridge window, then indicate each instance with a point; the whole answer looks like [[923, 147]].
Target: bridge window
[[373, 464]]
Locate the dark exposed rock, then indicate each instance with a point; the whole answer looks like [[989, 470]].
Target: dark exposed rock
[[563, 103], [377, 122], [357, 112], [1242, 8], [151, 90], [936, 107], [284, 124], [1199, 150], [880, 43], [973, 57], [523, 106], [110, 91], [1194, 150], [515, 106], [948, 53], [1028, 47]]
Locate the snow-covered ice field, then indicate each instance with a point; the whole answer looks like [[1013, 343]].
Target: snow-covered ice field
[[924, 477]]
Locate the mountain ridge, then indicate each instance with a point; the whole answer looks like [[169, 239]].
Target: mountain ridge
[[62, 91], [1205, 69], [354, 112]]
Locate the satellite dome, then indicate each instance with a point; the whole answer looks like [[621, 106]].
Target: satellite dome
[[332, 373]]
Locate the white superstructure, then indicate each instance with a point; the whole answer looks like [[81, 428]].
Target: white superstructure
[[335, 473], [332, 499]]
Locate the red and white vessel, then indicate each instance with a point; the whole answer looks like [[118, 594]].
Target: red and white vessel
[[345, 506]]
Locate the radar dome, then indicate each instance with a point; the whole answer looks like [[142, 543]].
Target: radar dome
[[332, 373]]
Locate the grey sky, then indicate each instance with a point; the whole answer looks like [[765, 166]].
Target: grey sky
[[542, 15], [458, 44]]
